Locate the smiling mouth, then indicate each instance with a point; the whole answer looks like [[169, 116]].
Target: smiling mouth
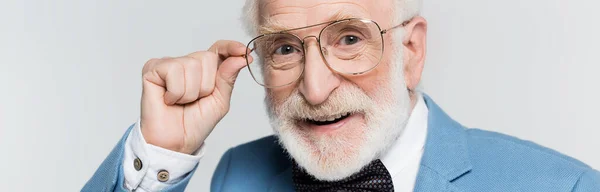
[[328, 120]]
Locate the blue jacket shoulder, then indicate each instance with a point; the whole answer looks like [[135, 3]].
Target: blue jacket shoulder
[[488, 139], [504, 161]]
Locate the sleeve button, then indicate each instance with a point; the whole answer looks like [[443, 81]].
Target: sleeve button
[[137, 164], [163, 175]]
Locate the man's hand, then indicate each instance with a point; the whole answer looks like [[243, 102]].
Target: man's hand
[[184, 98]]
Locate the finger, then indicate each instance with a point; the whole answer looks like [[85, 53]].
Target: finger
[[150, 64], [153, 85], [210, 63], [192, 76], [228, 48], [249, 57], [227, 74], [172, 75], [209, 72]]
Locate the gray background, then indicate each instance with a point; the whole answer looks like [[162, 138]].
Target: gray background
[[70, 76]]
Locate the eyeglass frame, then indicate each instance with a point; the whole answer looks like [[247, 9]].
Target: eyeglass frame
[[318, 38]]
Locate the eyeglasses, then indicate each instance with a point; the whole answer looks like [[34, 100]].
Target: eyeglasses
[[349, 46]]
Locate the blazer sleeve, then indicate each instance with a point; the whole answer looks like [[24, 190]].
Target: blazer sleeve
[[588, 182], [218, 178], [109, 176]]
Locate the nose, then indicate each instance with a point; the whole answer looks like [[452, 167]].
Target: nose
[[318, 80]]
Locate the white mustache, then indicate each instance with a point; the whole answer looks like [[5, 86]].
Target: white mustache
[[343, 100]]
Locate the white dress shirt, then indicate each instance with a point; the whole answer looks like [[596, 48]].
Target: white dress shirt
[[402, 160]]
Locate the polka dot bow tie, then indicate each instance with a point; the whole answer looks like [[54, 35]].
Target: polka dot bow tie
[[373, 177]]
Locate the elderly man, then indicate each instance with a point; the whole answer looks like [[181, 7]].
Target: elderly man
[[340, 78]]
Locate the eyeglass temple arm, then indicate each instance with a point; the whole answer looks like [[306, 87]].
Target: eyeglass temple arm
[[251, 50], [397, 26]]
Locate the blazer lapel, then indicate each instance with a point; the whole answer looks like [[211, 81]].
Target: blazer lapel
[[446, 156], [429, 180]]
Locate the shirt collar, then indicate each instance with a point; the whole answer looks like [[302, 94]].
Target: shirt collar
[[410, 144]]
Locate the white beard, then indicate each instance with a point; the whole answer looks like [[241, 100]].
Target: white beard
[[332, 157]]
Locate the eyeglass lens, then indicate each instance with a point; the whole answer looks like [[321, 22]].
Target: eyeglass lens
[[349, 46]]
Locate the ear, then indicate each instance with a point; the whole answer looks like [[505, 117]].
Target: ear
[[415, 47]]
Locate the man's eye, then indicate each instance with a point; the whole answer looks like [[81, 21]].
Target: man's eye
[[349, 40], [284, 50]]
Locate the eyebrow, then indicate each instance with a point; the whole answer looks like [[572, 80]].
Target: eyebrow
[[272, 26]]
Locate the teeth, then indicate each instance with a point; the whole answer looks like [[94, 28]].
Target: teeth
[[330, 118]]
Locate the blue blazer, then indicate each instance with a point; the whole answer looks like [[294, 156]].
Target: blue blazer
[[455, 159]]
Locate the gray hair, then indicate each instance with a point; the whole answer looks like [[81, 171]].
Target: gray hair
[[405, 9]]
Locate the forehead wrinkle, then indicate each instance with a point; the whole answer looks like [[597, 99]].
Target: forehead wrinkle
[[272, 26], [313, 6], [299, 9]]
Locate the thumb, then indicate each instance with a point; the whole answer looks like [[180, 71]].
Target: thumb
[[231, 60], [228, 72]]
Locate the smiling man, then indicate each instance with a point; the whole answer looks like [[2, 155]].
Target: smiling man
[[340, 78]]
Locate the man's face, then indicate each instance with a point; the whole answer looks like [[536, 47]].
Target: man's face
[[333, 124]]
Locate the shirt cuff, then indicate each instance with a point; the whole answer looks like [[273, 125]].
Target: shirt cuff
[[142, 163]]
